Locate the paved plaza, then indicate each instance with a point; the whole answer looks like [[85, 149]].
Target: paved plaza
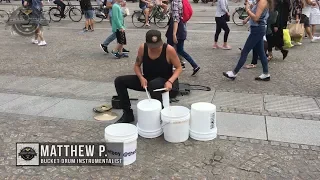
[[267, 130]]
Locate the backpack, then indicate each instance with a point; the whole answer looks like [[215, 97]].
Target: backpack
[[187, 11]]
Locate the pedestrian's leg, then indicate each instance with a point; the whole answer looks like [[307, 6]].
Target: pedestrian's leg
[[226, 29], [185, 55], [156, 84], [260, 50], [313, 29], [218, 31], [110, 38], [254, 56]]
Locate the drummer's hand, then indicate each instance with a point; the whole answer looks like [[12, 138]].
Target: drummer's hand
[[168, 86]]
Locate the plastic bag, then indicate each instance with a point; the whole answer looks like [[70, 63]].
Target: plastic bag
[[287, 39]]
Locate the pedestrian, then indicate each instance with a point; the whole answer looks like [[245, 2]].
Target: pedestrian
[[111, 37], [222, 16], [315, 16], [87, 9], [36, 7], [305, 18], [157, 59], [258, 21], [177, 33], [118, 27]]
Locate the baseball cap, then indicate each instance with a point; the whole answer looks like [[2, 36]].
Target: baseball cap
[[153, 38]]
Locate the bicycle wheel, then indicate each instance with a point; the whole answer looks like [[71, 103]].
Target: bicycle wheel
[[54, 14], [25, 30], [238, 16], [98, 16], [4, 17], [162, 21], [138, 19], [75, 14]]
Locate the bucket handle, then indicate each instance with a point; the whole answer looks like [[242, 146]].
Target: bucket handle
[[161, 122]]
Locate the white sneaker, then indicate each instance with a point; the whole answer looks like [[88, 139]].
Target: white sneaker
[[42, 43], [297, 43], [314, 39], [263, 77], [34, 41], [230, 75]]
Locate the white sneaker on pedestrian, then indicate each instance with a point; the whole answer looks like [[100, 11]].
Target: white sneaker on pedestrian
[[42, 43], [297, 43], [34, 41], [230, 75], [314, 39]]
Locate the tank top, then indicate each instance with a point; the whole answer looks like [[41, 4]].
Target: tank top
[[263, 18], [159, 67], [306, 10]]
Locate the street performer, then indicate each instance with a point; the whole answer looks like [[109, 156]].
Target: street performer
[[157, 59]]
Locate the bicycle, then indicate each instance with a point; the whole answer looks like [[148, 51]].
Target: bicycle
[[241, 11], [75, 14], [4, 16], [99, 14], [156, 13]]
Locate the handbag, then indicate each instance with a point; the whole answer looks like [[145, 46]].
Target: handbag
[[227, 17], [296, 30]]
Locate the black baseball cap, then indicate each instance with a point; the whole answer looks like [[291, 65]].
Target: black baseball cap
[[153, 38]]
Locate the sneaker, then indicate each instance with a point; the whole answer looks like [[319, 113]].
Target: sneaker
[[104, 48], [216, 46], [297, 43], [230, 75], [42, 43], [127, 117], [263, 77], [195, 71], [118, 55], [125, 50], [314, 39], [34, 41], [183, 67], [226, 47]]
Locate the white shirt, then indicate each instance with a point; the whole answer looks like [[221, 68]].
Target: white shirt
[[307, 9], [222, 8]]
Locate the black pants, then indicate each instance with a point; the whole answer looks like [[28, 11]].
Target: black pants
[[123, 83], [221, 23], [61, 5]]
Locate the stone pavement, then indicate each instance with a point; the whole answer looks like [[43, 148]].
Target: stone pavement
[[287, 119]]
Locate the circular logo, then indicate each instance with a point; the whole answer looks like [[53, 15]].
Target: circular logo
[[27, 153], [154, 38]]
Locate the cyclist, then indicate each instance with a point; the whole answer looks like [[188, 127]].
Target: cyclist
[[146, 7], [62, 7]]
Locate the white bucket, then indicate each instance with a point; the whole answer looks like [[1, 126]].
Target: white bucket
[[175, 123], [149, 118], [124, 133], [203, 123]]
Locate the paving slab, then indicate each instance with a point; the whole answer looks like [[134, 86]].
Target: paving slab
[[29, 105], [64, 86], [291, 104], [27, 83], [241, 125], [196, 96], [4, 80], [97, 89], [293, 130], [4, 98], [238, 100], [72, 109]]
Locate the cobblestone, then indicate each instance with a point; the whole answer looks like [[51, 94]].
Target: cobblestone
[[295, 146]]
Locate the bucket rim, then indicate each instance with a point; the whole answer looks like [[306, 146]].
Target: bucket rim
[[113, 127]]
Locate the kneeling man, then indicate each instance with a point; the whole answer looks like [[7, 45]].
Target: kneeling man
[[157, 60]]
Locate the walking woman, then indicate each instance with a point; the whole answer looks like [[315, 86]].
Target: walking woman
[[222, 16], [315, 17], [258, 21]]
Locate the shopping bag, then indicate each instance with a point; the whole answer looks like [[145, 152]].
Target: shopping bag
[[296, 30], [287, 39]]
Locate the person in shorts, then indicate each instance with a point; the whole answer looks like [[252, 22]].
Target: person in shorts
[[36, 6], [305, 18], [118, 28], [88, 14], [146, 7]]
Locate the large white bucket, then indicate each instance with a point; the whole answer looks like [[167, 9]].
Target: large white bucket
[[124, 133], [203, 121], [175, 123], [149, 118]]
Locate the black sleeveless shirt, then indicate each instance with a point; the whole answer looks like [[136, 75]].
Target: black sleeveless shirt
[[154, 68]]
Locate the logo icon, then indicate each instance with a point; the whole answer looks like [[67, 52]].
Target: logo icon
[[154, 38], [27, 153]]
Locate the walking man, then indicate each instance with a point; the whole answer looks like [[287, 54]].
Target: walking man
[[112, 37], [88, 13]]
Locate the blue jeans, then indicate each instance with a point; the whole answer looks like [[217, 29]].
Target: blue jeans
[[255, 43], [111, 38], [181, 52]]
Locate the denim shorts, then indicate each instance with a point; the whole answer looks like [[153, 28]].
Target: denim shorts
[[88, 14]]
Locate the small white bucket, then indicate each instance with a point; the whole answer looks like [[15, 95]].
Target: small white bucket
[[124, 133], [175, 123], [203, 121], [149, 118]]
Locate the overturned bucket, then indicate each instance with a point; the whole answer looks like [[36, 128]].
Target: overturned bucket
[[203, 125], [175, 123], [122, 133]]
